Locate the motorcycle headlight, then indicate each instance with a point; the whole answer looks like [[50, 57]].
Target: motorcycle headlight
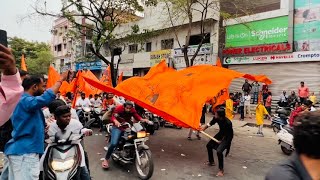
[[141, 134], [62, 166]]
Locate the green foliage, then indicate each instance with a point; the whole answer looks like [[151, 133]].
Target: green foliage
[[40, 65], [38, 55]]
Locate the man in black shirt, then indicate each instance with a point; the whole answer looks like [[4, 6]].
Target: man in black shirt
[[224, 136], [246, 87], [304, 164]]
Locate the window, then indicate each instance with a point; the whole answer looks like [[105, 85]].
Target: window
[[55, 48], [133, 48], [117, 51], [196, 39], [64, 46], [59, 47], [148, 47], [167, 44]]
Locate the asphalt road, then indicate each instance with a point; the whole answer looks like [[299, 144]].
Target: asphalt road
[[177, 158]]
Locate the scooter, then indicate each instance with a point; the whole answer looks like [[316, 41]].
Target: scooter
[[278, 122], [63, 158], [133, 150], [285, 136]]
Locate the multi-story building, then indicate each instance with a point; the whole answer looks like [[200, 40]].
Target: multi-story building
[[281, 41]]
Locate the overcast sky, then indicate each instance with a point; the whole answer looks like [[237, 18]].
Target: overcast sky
[[35, 28]]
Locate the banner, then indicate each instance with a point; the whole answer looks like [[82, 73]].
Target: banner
[[307, 25], [277, 58], [266, 31], [157, 56], [205, 49], [179, 62]]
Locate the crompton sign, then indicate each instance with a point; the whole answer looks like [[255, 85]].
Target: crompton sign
[[261, 49], [290, 57]]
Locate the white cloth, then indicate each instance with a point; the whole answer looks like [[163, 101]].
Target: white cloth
[[75, 127], [96, 102], [83, 103], [313, 109], [247, 100]]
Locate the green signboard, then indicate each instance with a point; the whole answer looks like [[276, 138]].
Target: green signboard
[[266, 31], [307, 25]]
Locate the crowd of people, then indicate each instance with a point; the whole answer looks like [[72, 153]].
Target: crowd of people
[[34, 113]]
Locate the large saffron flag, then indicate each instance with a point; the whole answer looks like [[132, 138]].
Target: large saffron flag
[[177, 96], [23, 63], [53, 77], [106, 77]]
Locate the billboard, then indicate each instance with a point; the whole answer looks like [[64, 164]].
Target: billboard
[[157, 56], [306, 25], [267, 31]]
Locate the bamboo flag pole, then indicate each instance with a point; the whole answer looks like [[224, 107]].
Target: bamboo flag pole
[[206, 134]]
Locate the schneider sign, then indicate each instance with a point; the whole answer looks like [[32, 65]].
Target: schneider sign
[[266, 31]]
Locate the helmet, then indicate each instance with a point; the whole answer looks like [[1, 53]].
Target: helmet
[[128, 103]]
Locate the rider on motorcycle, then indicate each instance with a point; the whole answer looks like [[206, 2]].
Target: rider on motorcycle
[[120, 115], [82, 102]]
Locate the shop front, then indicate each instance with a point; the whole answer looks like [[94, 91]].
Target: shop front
[[95, 67]]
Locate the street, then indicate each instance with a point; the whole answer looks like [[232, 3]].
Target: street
[[177, 158]]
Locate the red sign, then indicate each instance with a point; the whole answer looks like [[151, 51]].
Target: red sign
[[261, 49]]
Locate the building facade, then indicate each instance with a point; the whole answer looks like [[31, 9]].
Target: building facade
[[283, 44]]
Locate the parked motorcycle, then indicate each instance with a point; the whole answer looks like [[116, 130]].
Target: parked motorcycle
[[132, 149], [278, 122], [285, 136], [63, 158]]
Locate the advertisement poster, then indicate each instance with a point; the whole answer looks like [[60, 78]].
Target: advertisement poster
[[157, 56], [307, 25], [267, 31]]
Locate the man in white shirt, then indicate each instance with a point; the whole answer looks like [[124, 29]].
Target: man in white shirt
[[96, 101], [247, 101], [82, 102]]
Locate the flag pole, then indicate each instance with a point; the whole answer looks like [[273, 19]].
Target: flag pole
[[206, 134]]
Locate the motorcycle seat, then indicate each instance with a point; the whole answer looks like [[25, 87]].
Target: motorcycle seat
[[289, 129]]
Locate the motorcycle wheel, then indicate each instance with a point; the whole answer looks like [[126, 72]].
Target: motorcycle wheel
[[145, 170], [156, 126], [286, 151], [178, 127]]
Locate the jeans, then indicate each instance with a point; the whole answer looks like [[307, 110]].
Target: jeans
[[255, 97], [26, 167], [241, 111], [219, 148], [115, 137]]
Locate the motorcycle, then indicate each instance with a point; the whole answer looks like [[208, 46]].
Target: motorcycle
[[279, 121], [152, 117], [85, 115], [97, 114], [63, 158], [169, 124], [285, 136], [132, 149]]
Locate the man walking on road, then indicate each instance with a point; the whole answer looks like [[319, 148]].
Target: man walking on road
[[27, 143], [224, 137], [255, 89], [303, 92]]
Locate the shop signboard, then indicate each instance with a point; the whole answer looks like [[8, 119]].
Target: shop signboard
[[157, 56], [267, 31], [127, 69], [306, 25], [259, 49], [276, 58], [204, 49], [179, 62], [94, 65]]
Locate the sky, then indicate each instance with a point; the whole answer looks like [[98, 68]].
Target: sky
[[17, 19]]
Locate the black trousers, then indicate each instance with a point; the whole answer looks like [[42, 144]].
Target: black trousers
[[219, 148], [241, 111]]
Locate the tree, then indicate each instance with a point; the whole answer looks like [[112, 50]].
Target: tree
[[101, 19], [37, 54]]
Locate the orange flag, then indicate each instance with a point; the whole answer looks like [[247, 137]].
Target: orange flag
[[106, 77], [120, 78], [23, 63], [218, 62], [53, 77], [177, 96]]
